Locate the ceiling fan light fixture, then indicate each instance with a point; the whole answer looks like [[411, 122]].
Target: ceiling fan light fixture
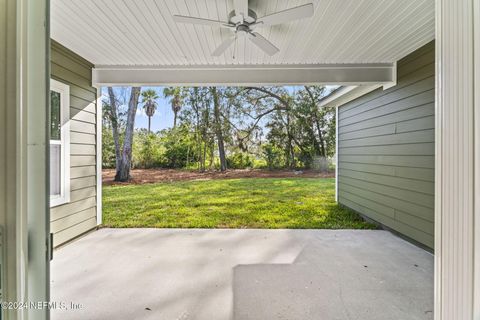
[[243, 25], [235, 19]]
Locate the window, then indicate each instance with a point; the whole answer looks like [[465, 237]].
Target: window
[[59, 143]]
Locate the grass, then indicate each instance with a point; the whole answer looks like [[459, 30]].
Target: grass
[[229, 203]]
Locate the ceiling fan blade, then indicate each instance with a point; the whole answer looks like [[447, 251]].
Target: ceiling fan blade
[[241, 7], [300, 12], [223, 47], [263, 43], [201, 21]]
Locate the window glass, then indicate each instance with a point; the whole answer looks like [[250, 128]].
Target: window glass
[[55, 169], [59, 130], [55, 119]]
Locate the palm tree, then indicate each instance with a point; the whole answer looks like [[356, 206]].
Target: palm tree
[[149, 100], [176, 101]]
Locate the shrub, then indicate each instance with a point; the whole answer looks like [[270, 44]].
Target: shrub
[[179, 147], [108, 148], [260, 164], [274, 156], [239, 160], [147, 150]]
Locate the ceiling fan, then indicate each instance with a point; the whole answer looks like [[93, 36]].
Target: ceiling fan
[[242, 21]]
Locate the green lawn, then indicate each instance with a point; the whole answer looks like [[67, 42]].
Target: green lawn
[[229, 203]]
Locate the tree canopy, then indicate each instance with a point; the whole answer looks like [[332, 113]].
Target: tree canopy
[[229, 127]]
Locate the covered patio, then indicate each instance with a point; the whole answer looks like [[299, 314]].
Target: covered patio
[[243, 274], [234, 274]]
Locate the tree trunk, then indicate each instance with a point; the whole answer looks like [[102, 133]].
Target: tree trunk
[[322, 144], [123, 170], [320, 135], [212, 155], [198, 149], [319, 144], [204, 159], [174, 119], [114, 121], [149, 122], [218, 129], [291, 151]]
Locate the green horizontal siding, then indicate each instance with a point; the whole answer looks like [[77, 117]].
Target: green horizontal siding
[[386, 150], [416, 112], [79, 215]]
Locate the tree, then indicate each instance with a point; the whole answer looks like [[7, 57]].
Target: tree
[[123, 155], [279, 102], [176, 101], [196, 111], [218, 128], [113, 116], [223, 127], [150, 104], [323, 121], [294, 122]]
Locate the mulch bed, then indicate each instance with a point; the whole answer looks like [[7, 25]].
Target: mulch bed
[[142, 176]]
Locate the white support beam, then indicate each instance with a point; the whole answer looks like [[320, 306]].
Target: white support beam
[[244, 75], [34, 92], [457, 167], [393, 83], [99, 161]]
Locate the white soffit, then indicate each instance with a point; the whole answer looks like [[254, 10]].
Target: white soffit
[[142, 33]]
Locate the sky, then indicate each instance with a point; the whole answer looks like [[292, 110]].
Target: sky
[[163, 117]]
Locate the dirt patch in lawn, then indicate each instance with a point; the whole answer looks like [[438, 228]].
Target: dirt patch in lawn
[[142, 176]]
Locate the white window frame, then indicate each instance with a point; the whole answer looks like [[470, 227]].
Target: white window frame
[[64, 91]]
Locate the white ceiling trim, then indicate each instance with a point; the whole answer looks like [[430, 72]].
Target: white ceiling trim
[[246, 75]]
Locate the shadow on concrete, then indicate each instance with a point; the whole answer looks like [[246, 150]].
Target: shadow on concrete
[[347, 276]]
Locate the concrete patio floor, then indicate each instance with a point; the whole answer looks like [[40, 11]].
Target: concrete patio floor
[[180, 274]]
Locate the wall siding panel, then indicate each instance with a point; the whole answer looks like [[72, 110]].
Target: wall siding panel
[[74, 231], [79, 161], [83, 182], [79, 215], [386, 148], [404, 115], [82, 127]]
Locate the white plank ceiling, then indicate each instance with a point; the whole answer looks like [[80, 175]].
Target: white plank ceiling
[[142, 32]]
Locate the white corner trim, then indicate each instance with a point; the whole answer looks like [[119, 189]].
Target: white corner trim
[[476, 49], [99, 155], [244, 75], [336, 155], [438, 230]]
